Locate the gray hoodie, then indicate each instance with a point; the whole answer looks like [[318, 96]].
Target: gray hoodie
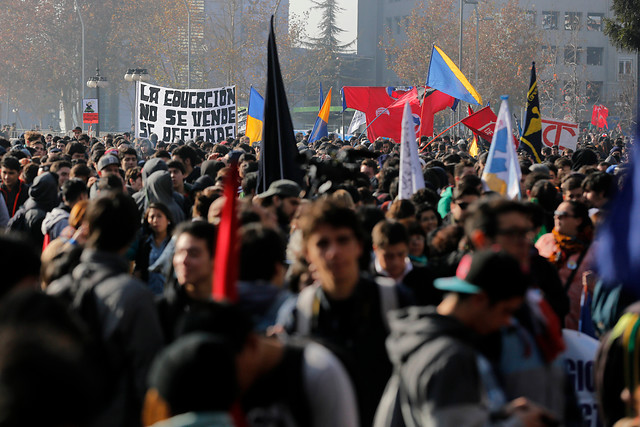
[[443, 376], [56, 221], [159, 189]]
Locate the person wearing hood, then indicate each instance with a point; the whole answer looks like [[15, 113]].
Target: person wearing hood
[[443, 380], [150, 167], [43, 197], [159, 189], [73, 191]]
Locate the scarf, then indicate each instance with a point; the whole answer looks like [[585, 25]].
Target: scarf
[[568, 245]]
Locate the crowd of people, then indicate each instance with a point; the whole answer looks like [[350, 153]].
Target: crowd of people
[[354, 307]]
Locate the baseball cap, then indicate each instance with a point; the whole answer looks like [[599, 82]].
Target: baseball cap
[[282, 188], [106, 160], [77, 129], [497, 274]]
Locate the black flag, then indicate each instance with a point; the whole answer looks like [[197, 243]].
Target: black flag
[[278, 149], [531, 138]]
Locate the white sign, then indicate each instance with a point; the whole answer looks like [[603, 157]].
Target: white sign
[[559, 133], [579, 365], [185, 113]]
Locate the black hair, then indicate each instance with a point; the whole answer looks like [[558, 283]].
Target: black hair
[[176, 164], [113, 220], [256, 263], [200, 230], [599, 182], [388, 232], [186, 152], [72, 189], [18, 260], [484, 216], [12, 163]]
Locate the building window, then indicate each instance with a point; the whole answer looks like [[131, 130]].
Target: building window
[[594, 55], [594, 21], [572, 55], [531, 16], [625, 68], [550, 20], [594, 92], [572, 20]]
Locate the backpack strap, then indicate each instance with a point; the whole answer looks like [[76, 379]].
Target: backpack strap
[[388, 297]]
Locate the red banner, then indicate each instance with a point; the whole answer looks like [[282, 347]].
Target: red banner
[[599, 116]]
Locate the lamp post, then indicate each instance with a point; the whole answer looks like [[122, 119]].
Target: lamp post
[[75, 2], [135, 75], [97, 82], [462, 2], [188, 44], [478, 38]]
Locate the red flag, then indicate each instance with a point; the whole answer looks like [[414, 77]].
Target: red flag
[[599, 116], [383, 108], [482, 122], [225, 265]]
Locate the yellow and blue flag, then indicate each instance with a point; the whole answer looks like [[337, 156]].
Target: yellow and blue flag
[[255, 116], [320, 128], [446, 77], [502, 172]]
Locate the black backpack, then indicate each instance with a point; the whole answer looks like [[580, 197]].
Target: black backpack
[[107, 355]]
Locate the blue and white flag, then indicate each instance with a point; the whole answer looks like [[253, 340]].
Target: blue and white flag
[[502, 172], [411, 177]]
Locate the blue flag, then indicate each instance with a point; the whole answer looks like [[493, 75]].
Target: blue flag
[[321, 98], [618, 240], [446, 77]]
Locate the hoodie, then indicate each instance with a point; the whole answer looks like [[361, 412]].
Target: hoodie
[[55, 221], [159, 189], [446, 380], [43, 197]]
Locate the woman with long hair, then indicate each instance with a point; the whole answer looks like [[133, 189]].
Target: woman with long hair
[[158, 226]]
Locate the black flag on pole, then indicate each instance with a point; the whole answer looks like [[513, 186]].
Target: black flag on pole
[[531, 138], [278, 149]]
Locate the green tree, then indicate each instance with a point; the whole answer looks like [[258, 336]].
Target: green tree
[[624, 28]]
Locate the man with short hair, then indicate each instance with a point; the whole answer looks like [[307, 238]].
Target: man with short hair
[[391, 259], [463, 196], [108, 165], [598, 189], [344, 309], [62, 168], [14, 191], [283, 197], [76, 132], [442, 379], [189, 158], [572, 188], [128, 159], [193, 266], [461, 169], [76, 151]]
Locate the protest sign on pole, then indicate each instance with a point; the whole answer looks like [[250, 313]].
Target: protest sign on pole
[[185, 113], [90, 110], [559, 133]]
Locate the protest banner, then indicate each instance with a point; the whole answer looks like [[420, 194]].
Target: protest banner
[[579, 362], [185, 114], [559, 133], [90, 110]]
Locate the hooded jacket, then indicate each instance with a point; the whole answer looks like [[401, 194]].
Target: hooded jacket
[[43, 197], [441, 373], [159, 189], [141, 199], [55, 221]]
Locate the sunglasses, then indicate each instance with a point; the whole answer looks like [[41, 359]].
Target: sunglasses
[[463, 205], [562, 214]]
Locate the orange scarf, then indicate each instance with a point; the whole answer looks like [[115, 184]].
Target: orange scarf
[[568, 245]]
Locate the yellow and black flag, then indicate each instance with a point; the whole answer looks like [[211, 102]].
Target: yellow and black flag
[[531, 139]]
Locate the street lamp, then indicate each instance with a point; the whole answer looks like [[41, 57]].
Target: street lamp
[[96, 82], [82, 78], [136, 75], [478, 38]]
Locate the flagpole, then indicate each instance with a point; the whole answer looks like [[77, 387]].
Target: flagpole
[[440, 134], [342, 120], [424, 95]]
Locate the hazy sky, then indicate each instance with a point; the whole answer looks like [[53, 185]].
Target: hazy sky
[[347, 20]]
